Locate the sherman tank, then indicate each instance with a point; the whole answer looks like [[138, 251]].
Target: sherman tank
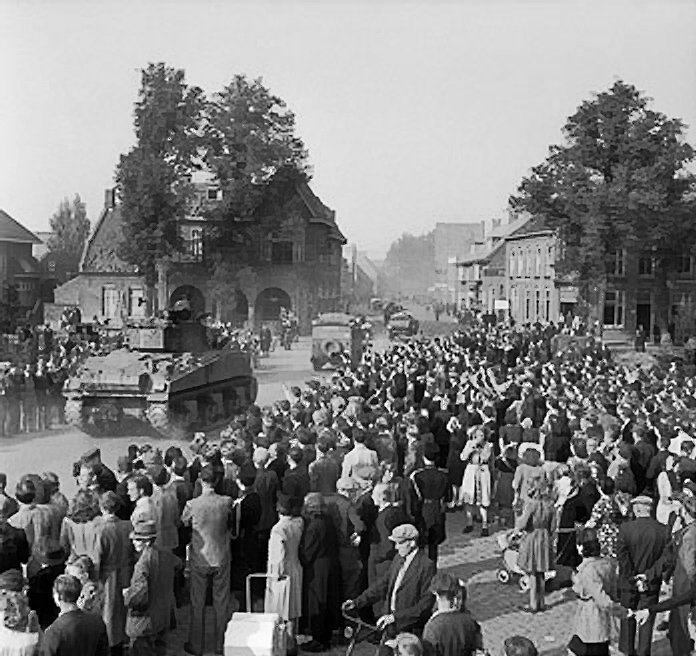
[[166, 377]]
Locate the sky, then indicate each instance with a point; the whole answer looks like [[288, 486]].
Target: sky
[[412, 112]]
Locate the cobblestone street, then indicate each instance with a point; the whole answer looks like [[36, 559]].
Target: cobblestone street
[[496, 606]]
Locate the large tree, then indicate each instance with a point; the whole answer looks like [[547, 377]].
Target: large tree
[[69, 231], [244, 137], [153, 178], [620, 180]]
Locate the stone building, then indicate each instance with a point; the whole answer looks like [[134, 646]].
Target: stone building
[[293, 261], [20, 274]]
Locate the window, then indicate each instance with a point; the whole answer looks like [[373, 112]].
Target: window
[[549, 261], [520, 263], [645, 265], [213, 193], [281, 252], [52, 266], [614, 302], [537, 305], [684, 264], [196, 245], [547, 315], [616, 263], [513, 263], [110, 302], [537, 270], [137, 302], [527, 305]]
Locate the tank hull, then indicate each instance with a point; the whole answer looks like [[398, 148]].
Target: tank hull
[[170, 395]]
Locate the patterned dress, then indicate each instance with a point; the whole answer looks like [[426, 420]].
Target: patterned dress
[[605, 519]]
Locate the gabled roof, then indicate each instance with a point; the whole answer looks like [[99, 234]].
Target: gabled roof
[[499, 234], [533, 226], [12, 230]]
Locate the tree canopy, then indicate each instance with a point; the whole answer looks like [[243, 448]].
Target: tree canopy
[[244, 136], [69, 231], [620, 180]]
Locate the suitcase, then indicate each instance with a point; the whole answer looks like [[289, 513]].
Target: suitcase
[[255, 634]]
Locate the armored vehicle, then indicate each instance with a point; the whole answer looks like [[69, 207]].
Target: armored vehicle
[[337, 339], [166, 376]]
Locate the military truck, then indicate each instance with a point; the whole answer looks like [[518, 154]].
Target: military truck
[[166, 377]]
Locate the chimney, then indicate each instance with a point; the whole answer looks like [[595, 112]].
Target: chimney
[[110, 198]]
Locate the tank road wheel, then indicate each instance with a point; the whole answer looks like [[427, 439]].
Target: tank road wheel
[[160, 418], [73, 413]]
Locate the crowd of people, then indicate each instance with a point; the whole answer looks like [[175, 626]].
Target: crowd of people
[[340, 493]]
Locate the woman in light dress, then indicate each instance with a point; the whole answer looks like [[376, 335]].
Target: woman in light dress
[[284, 583], [476, 484]]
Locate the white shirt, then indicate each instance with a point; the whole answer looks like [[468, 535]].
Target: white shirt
[[400, 577]]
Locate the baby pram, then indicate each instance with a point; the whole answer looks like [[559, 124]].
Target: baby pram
[[509, 544]]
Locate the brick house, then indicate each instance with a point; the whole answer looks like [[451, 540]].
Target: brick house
[[638, 294], [20, 273], [482, 271], [294, 261]]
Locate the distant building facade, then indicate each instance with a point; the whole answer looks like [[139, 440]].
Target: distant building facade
[[294, 262], [453, 241], [359, 279]]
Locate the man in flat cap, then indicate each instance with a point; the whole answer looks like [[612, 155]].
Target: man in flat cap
[[639, 546], [404, 589]]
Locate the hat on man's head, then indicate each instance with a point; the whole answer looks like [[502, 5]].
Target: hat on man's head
[[90, 454], [403, 533], [642, 500], [145, 530]]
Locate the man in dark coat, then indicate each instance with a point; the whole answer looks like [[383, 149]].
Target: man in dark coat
[[296, 479], [431, 493], [639, 546], [267, 486], [404, 589], [75, 632], [14, 547]]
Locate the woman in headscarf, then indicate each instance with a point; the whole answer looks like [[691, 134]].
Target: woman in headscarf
[[537, 523], [319, 558]]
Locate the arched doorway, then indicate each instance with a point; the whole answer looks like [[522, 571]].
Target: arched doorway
[[269, 302], [235, 310], [194, 295]]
